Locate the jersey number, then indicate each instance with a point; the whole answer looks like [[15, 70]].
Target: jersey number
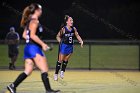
[[70, 40], [27, 37]]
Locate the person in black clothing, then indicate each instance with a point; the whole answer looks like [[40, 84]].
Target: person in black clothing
[[33, 54], [12, 39]]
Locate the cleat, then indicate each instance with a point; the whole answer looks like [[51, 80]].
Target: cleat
[[11, 88], [55, 77], [62, 74]]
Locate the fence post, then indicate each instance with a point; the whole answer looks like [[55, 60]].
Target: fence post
[[89, 56]]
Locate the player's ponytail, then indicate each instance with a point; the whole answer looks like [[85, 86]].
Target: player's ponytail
[[27, 13], [25, 16], [65, 20]]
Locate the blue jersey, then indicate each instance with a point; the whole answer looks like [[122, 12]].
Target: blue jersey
[[32, 48], [67, 37], [39, 33], [66, 47]]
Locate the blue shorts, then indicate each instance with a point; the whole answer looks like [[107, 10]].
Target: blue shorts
[[66, 49], [31, 50]]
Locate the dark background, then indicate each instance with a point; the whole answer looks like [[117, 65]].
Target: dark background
[[94, 19]]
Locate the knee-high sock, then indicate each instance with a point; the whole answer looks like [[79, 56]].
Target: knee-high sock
[[64, 65], [58, 65], [19, 79], [45, 80]]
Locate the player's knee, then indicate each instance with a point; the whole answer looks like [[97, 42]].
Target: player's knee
[[60, 61], [66, 59], [28, 73], [44, 69]]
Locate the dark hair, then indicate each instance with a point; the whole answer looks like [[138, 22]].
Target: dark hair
[[65, 20], [28, 11]]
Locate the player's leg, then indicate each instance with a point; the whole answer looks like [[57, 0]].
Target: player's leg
[[28, 70], [59, 62], [65, 62], [64, 65], [58, 66], [41, 63]]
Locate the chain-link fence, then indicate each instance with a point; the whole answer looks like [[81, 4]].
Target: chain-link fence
[[114, 55]]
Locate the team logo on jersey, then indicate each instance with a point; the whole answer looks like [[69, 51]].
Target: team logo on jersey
[[69, 34]]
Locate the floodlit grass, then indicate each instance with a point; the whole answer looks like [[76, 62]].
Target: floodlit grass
[[102, 56]]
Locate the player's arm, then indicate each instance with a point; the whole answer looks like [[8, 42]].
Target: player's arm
[[78, 37], [33, 27], [58, 36]]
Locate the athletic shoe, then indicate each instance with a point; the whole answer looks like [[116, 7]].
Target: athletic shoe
[[11, 88], [53, 91], [62, 74], [55, 77], [14, 67], [10, 66]]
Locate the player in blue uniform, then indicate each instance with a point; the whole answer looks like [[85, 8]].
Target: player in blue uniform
[[33, 54], [65, 38]]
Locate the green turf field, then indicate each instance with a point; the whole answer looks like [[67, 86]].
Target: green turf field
[[77, 82], [102, 56]]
